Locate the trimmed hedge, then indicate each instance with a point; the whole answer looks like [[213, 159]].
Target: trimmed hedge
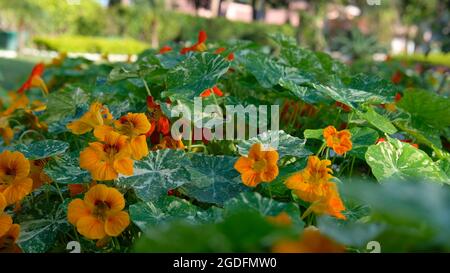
[[432, 58], [86, 44], [172, 26]]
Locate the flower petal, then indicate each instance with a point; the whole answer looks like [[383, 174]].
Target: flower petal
[[117, 223], [91, 227], [76, 210], [5, 223]]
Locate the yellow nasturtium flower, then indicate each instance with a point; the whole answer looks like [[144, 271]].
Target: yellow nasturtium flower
[[100, 213]]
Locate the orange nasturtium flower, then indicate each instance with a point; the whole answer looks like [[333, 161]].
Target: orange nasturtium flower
[[169, 143], [57, 61], [105, 160], [230, 56], [37, 173], [339, 141], [96, 116], [282, 219], [100, 213], [8, 240], [5, 219], [35, 80], [209, 91], [165, 49], [14, 181], [159, 122], [313, 184], [259, 166], [310, 241], [331, 204], [5, 130], [134, 126], [198, 46]]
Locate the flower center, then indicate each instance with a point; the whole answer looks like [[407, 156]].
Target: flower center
[[101, 208], [259, 165], [8, 177], [336, 140], [111, 150]]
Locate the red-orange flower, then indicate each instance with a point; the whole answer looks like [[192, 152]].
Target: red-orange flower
[[35, 80], [165, 49], [339, 141], [343, 106], [397, 77], [209, 91], [230, 56], [199, 46], [159, 122]]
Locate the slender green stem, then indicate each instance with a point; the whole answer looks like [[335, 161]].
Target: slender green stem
[[351, 166], [146, 87], [59, 192], [321, 149]]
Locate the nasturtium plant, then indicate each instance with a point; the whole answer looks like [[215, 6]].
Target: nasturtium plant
[[92, 144]]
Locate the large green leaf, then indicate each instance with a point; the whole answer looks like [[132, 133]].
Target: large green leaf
[[42, 149], [304, 93], [394, 159], [378, 121], [195, 74], [157, 173], [66, 170], [362, 138], [213, 179], [65, 102], [285, 144], [269, 73], [349, 96], [427, 108], [169, 208], [41, 224]]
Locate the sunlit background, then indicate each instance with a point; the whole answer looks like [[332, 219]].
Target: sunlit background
[[32, 30]]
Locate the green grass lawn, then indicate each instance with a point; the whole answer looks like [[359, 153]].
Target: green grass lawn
[[15, 71]]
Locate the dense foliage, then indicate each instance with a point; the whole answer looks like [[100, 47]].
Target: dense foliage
[[361, 157]]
